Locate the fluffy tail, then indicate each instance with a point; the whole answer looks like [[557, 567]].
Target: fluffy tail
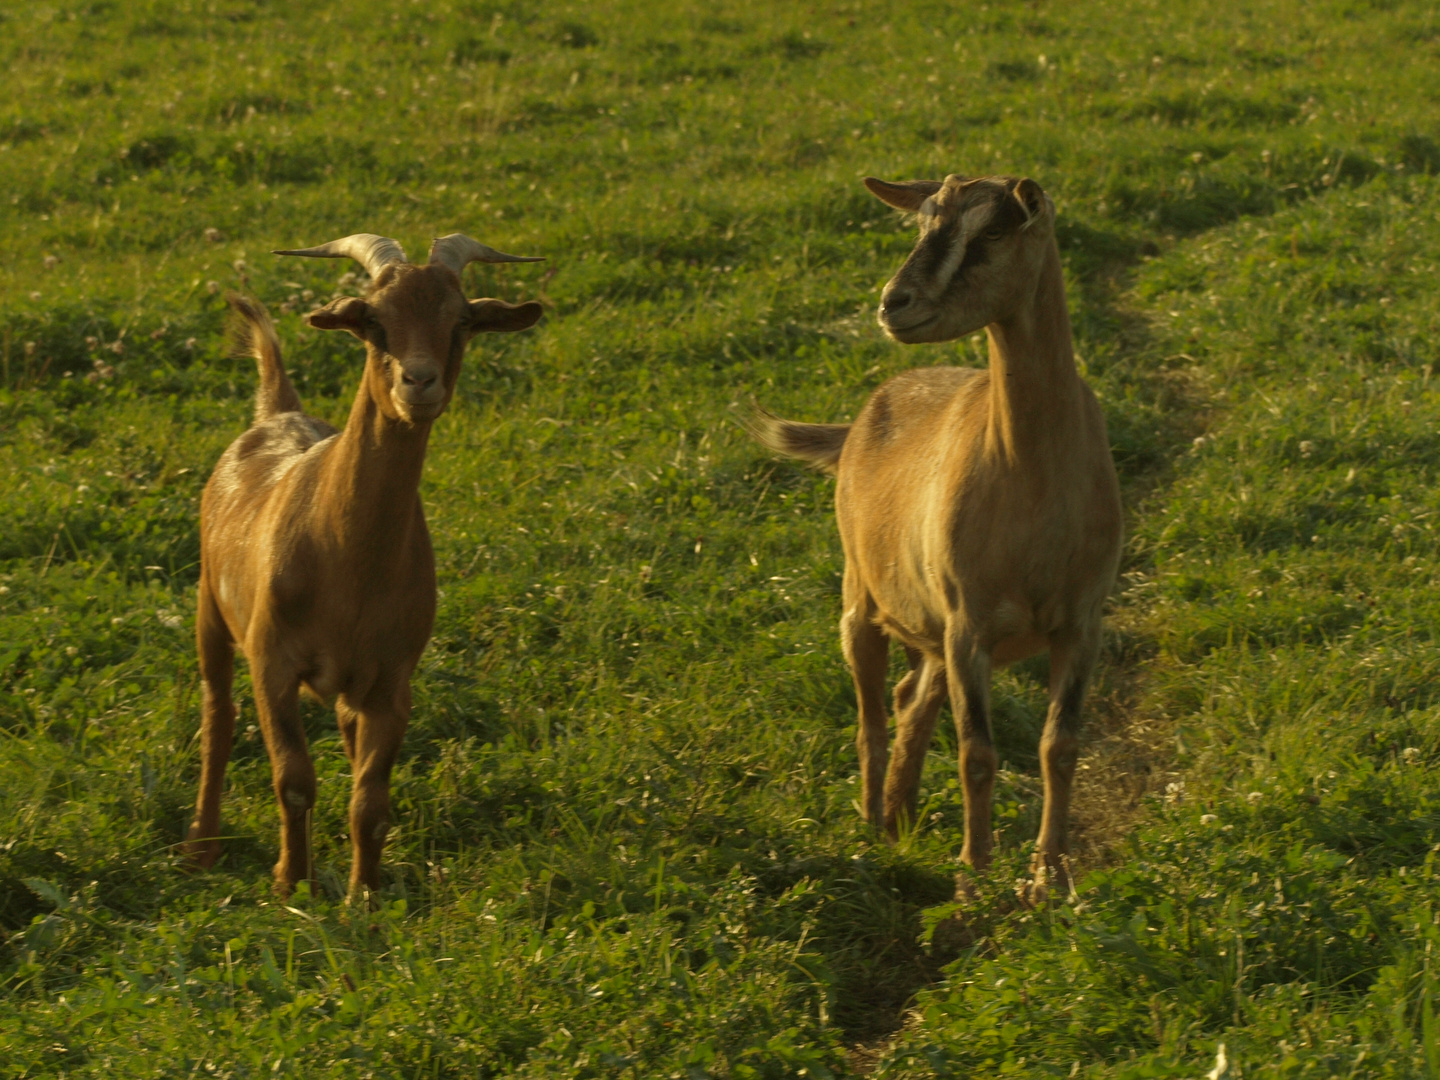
[[819, 444], [253, 334]]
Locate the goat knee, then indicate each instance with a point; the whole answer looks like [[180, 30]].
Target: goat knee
[[978, 767], [905, 691], [295, 789], [1060, 752]]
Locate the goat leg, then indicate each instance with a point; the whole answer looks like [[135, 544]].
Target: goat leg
[[867, 651], [967, 670], [379, 729], [922, 694], [1071, 662], [217, 727], [277, 701], [347, 718]]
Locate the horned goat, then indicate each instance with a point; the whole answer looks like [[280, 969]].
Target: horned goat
[[978, 509], [314, 556]]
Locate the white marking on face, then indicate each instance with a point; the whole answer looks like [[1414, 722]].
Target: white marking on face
[[970, 223]]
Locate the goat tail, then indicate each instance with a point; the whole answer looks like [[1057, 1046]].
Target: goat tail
[[819, 444], [253, 334]]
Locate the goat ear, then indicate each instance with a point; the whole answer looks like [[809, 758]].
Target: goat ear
[[497, 316], [1032, 200], [344, 313], [908, 195]]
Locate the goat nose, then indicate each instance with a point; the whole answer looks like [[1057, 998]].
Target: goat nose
[[424, 382], [895, 300]]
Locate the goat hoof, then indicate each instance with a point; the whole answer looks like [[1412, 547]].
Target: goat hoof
[[1050, 885], [200, 854], [966, 886], [363, 898], [285, 885]]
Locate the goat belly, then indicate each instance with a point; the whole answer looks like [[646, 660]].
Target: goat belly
[[1018, 647], [325, 689]]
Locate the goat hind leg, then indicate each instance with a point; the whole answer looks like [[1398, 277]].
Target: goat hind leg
[[905, 688], [217, 727], [867, 650], [917, 708], [967, 670], [347, 719]]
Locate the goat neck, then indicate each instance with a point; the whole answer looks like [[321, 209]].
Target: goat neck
[[370, 482], [1036, 395]]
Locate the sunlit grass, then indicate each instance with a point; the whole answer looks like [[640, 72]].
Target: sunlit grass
[[626, 838]]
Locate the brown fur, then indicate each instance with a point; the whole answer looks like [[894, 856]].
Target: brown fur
[[979, 509], [315, 559]]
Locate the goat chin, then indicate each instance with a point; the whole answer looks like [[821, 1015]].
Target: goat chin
[[921, 333], [416, 412], [979, 511]]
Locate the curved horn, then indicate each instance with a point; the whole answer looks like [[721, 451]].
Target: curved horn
[[457, 251], [372, 252]]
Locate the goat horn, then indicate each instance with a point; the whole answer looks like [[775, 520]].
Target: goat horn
[[372, 252], [458, 250]]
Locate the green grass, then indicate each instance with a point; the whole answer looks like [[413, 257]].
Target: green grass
[[626, 840]]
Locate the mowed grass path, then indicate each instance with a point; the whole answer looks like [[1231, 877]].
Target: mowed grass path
[[626, 840]]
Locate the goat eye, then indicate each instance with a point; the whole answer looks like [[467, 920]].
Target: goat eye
[[993, 234]]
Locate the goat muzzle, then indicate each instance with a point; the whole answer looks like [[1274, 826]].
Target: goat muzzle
[[418, 389], [902, 312]]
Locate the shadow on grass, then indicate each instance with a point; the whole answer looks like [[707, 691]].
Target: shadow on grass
[[868, 930]]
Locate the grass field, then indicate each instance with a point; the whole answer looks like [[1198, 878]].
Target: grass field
[[626, 840]]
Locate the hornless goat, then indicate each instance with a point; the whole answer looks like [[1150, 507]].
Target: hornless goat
[[978, 509], [314, 555]]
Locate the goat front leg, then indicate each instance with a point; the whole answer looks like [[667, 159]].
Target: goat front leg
[[1071, 662], [277, 701], [373, 741], [217, 727], [967, 669], [867, 651], [917, 704]]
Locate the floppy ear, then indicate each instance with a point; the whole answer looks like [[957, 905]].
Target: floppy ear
[[1033, 201], [344, 313], [907, 195], [498, 316]]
